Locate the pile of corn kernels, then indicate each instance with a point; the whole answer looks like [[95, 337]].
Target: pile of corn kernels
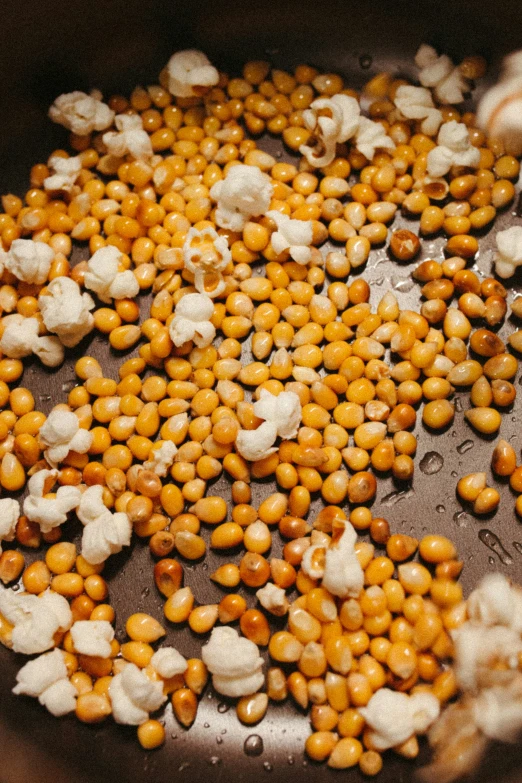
[[362, 375]]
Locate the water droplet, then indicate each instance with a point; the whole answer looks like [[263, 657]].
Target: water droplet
[[458, 404], [174, 736], [365, 61], [461, 519], [440, 509], [219, 740], [493, 542], [204, 566], [466, 445], [210, 695], [290, 760], [206, 725], [68, 385], [396, 497], [431, 463], [45, 397], [267, 766], [223, 731], [223, 707], [184, 765], [518, 547], [214, 761], [454, 473], [253, 745], [491, 560], [145, 592], [403, 284]]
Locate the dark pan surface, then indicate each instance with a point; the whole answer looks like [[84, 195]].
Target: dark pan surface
[[115, 45]]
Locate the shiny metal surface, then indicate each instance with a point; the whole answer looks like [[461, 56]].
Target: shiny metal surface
[[114, 45]]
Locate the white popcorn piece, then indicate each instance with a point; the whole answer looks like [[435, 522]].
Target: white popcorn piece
[[343, 575], [66, 311], [332, 121], [49, 512], [133, 696], [416, 103], [81, 113], [244, 193], [161, 457], [36, 619], [500, 109], [9, 516], [61, 433], [477, 647], [168, 662], [439, 73], [104, 533], [370, 137], [509, 255], [92, 637], [273, 599], [453, 148], [394, 717], [65, 174], [498, 712], [234, 662], [206, 254], [282, 415], [292, 235], [192, 321], [104, 278], [190, 74], [20, 338], [45, 678], [131, 138], [496, 602], [29, 261]]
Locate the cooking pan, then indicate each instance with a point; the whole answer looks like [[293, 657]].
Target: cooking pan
[[50, 48]]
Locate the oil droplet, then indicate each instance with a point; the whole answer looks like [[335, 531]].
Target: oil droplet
[[67, 386], [365, 61], [431, 463], [517, 546], [491, 560], [223, 707], [214, 761], [290, 760], [403, 284], [440, 509], [183, 766], [454, 473], [219, 740], [45, 397], [461, 518], [396, 497], [458, 404], [466, 445], [493, 542], [267, 766], [253, 745]]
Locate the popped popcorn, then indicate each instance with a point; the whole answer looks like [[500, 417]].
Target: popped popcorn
[[65, 174], [205, 255], [343, 575], [168, 662], [92, 637], [9, 515], [394, 717], [371, 136], [29, 261], [439, 73], [133, 696], [45, 678], [292, 235], [81, 113], [234, 662], [61, 433], [104, 533], [282, 416], [20, 338], [245, 192], [192, 321], [35, 619], [416, 103], [336, 127], [130, 139], [500, 109], [66, 311], [190, 73], [104, 278], [509, 254], [453, 148], [49, 512], [161, 457], [273, 599]]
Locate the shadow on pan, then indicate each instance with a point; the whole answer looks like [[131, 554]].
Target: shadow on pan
[[115, 45]]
